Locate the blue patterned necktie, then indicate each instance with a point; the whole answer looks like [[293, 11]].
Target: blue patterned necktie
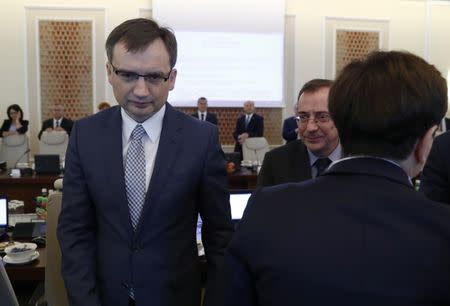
[[135, 174]]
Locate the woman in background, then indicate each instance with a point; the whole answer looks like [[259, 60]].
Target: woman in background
[[15, 124]]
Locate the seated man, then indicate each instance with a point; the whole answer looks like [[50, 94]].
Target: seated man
[[247, 125], [303, 159], [202, 111], [58, 122], [359, 234], [290, 127]]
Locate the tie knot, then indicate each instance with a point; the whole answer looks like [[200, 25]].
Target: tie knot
[[322, 164], [138, 132]]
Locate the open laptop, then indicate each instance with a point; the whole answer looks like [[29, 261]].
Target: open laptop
[[47, 164], [3, 215], [238, 203]]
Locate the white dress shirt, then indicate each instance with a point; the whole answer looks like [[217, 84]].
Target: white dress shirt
[[152, 127]]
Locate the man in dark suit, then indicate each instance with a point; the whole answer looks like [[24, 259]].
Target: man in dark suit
[[303, 159], [247, 125], [136, 177], [290, 128], [202, 111], [359, 234], [58, 122], [434, 180]]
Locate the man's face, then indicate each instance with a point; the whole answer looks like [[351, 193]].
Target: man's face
[[249, 107], [202, 105], [141, 98], [321, 138], [58, 111]]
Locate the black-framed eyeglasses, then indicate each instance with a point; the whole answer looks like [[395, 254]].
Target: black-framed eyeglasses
[[150, 78], [319, 117]]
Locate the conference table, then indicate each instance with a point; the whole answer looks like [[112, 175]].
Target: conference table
[[25, 188], [33, 271]]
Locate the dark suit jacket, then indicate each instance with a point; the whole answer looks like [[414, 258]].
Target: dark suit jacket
[[102, 255], [357, 235], [435, 178], [285, 164], [7, 124], [210, 117], [66, 124], [289, 126], [255, 128]]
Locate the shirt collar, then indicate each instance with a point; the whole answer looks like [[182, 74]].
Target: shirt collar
[[335, 155], [152, 125], [375, 157]]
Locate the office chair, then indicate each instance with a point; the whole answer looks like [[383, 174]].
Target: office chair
[[14, 150], [55, 291], [54, 142], [254, 149]]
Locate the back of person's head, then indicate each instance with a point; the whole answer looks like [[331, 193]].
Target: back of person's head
[[137, 34], [313, 86], [383, 104], [14, 107], [103, 105]]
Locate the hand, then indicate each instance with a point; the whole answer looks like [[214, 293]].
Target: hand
[[49, 129], [59, 129], [242, 137]]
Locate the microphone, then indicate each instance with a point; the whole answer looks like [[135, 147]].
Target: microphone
[[21, 156]]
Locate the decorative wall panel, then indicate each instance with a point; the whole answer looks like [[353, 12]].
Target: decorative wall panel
[[351, 45], [347, 39], [227, 122], [65, 59]]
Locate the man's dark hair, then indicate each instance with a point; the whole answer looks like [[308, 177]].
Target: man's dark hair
[[202, 98], [137, 34], [382, 105], [314, 85]]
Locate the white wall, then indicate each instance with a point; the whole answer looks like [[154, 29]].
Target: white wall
[[14, 74], [418, 26]]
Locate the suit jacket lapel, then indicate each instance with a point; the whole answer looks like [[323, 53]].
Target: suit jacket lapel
[[301, 166], [164, 161], [113, 165]]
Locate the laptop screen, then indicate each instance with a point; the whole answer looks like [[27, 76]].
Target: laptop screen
[[3, 213], [238, 202], [47, 164]]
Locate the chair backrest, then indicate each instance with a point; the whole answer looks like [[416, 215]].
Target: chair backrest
[[15, 150], [254, 149], [7, 295], [54, 142], [55, 291]]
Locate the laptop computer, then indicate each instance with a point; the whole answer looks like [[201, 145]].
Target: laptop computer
[[47, 164], [238, 203], [3, 215]]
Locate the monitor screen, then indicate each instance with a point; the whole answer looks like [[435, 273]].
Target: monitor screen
[[3, 212], [238, 202]]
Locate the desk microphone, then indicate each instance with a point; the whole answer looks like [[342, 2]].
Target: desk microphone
[[21, 156]]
